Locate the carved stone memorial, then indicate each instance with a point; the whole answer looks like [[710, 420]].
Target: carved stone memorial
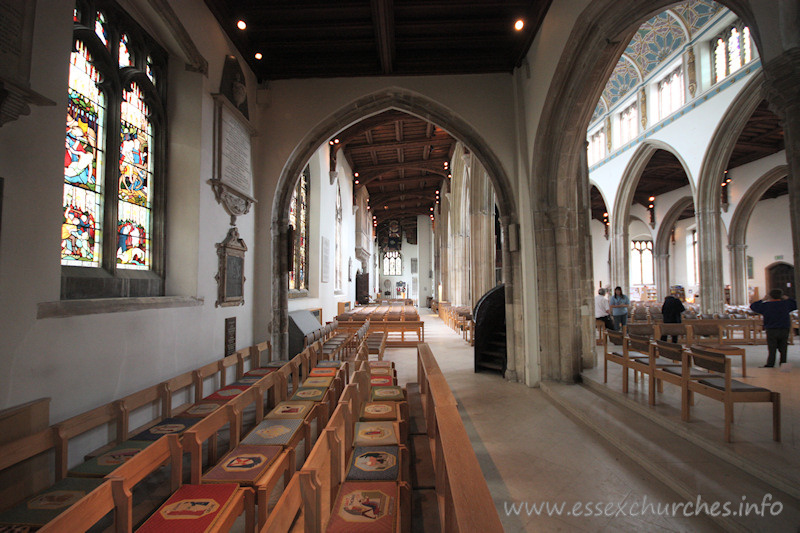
[[230, 276]]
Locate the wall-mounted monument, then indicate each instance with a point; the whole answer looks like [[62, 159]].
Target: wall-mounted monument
[[230, 276], [233, 165]]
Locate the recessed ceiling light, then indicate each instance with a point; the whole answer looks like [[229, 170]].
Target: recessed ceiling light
[[242, 25], [519, 24], [258, 55]]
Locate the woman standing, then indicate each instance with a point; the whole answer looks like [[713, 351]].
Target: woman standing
[[619, 308]]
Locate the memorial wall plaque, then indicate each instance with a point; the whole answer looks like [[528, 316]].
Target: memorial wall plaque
[[230, 277], [230, 335], [326, 260], [233, 166]]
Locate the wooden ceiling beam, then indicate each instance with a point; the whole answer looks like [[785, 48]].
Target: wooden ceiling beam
[[430, 165], [383, 22], [437, 179], [388, 145]]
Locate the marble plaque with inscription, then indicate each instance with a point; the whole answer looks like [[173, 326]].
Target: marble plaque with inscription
[[236, 168]]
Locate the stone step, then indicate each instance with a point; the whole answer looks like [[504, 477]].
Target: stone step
[[687, 469]]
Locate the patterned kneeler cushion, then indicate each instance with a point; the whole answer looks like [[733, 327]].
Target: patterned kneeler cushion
[[375, 434], [226, 393], [193, 508], [201, 409], [381, 364], [275, 364], [48, 504], [244, 464], [103, 465], [374, 463], [391, 393], [365, 507], [313, 394], [260, 372], [247, 380], [317, 381], [381, 371], [318, 372], [166, 427], [291, 410], [381, 381], [273, 432], [374, 411], [329, 364]]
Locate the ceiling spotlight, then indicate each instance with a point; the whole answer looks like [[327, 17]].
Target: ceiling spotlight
[[431, 209], [437, 191], [449, 175], [242, 25], [519, 24], [330, 142], [652, 199], [336, 141], [258, 55], [356, 182], [386, 207], [605, 214], [355, 174]]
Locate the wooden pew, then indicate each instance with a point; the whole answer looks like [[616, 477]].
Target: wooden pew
[[84, 513], [727, 390]]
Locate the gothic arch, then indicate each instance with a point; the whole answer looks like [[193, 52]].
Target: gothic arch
[[661, 247], [559, 173], [372, 104], [709, 185], [622, 206], [737, 235]]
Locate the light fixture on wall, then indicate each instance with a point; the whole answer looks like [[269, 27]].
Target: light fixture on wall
[[606, 224], [724, 191], [519, 24], [242, 25], [651, 208]]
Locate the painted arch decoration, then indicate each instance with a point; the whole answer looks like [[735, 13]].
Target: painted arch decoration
[[697, 13], [655, 41], [624, 79]]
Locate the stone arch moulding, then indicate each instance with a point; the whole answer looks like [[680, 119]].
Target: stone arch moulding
[[558, 169], [622, 207], [709, 185], [423, 107], [737, 235], [661, 247]]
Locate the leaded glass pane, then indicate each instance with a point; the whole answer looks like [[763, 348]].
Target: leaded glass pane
[[135, 181], [734, 52], [149, 69], [747, 45], [720, 62], [125, 56], [83, 163], [298, 219], [101, 28]]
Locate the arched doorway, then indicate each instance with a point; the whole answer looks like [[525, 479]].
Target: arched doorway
[[780, 275], [419, 106]]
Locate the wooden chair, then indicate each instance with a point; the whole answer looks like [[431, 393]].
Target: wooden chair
[[723, 388]]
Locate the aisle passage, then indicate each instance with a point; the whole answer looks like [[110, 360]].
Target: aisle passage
[[531, 452]]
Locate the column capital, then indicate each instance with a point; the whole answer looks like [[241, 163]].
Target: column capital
[[738, 246], [783, 83]]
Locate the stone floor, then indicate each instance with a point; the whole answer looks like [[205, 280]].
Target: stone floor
[[533, 452]]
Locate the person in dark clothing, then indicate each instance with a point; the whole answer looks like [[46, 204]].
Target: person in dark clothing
[[776, 311], [671, 310]]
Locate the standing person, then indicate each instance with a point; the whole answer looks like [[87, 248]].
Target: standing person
[[776, 311], [671, 310], [619, 308], [602, 309]]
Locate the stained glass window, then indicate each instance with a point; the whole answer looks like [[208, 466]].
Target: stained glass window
[[392, 263], [125, 59], [732, 50], [110, 210], [100, 27], [84, 163], [298, 220], [338, 237], [135, 181]]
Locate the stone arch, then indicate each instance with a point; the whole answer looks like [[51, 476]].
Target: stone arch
[[661, 247], [368, 105], [622, 206], [709, 185], [737, 234], [559, 173]]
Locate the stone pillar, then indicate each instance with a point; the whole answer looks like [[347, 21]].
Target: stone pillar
[[619, 260], [279, 327], [662, 276], [739, 295], [783, 94], [712, 290], [513, 373]]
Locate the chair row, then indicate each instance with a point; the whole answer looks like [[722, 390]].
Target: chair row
[[693, 368]]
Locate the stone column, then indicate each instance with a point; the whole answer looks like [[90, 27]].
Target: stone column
[[783, 94], [279, 327], [619, 260], [712, 290], [738, 274], [513, 372], [662, 276]]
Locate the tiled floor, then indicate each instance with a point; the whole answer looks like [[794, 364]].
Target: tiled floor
[[532, 452]]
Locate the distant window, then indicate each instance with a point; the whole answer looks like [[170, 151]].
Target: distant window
[[670, 93], [298, 220], [641, 263], [733, 49], [392, 263], [597, 146], [628, 124]]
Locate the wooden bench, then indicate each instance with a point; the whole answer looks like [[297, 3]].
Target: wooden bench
[[726, 390]]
